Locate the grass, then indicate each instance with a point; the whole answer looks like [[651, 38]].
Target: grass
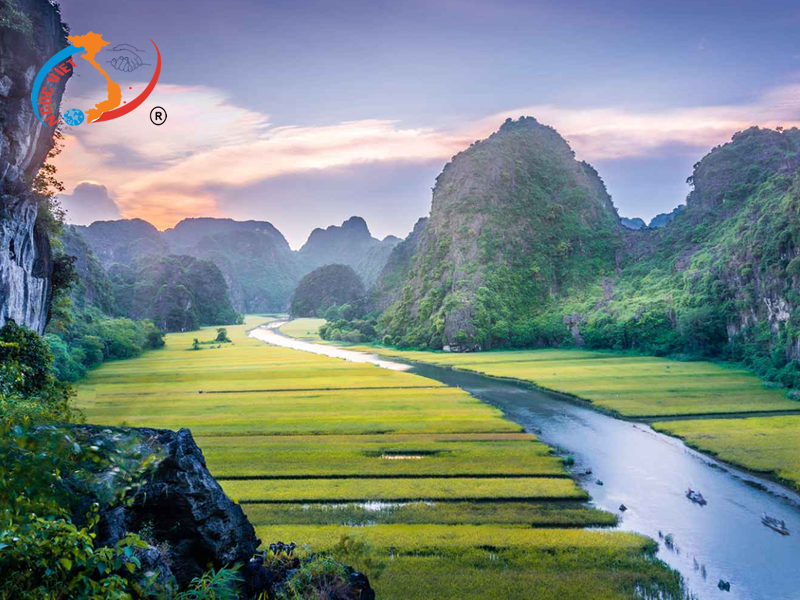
[[764, 444], [399, 490], [404, 539], [379, 455], [568, 514], [493, 562], [508, 575], [632, 386], [436, 410], [468, 506], [642, 387], [304, 329]]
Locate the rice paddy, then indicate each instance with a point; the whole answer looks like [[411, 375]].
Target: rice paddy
[[304, 329], [403, 489], [380, 455], [769, 445], [631, 386], [430, 491], [658, 388]]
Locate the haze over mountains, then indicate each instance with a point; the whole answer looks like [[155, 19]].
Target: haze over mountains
[[260, 268]]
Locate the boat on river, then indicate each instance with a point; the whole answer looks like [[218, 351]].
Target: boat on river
[[778, 525], [696, 497]]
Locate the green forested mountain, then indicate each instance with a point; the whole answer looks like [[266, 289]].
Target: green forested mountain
[[350, 244], [516, 223], [119, 314], [178, 293], [259, 267], [523, 248], [326, 287]]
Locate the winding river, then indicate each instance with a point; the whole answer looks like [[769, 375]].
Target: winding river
[[647, 472]]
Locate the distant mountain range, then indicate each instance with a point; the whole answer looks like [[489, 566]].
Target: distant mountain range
[[661, 220], [259, 267]]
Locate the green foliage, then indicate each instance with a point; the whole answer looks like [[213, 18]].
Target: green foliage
[[220, 584], [47, 472], [222, 335], [178, 293], [317, 577], [91, 338], [327, 287], [13, 19], [24, 348], [353, 330], [54, 558], [720, 281], [494, 268]]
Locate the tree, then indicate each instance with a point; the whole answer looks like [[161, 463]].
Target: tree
[[25, 348]]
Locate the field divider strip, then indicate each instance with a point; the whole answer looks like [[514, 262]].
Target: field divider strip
[[723, 415], [537, 499], [358, 433], [400, 476], [285, 390]]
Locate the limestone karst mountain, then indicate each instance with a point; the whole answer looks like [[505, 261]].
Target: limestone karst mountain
[[523, 247]]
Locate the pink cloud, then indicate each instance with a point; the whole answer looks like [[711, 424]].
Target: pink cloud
[[208, 142]]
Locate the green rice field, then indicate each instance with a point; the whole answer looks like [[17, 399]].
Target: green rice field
[[658, 388], [767, 445], [431, 492], [631, 386], [304, 329]]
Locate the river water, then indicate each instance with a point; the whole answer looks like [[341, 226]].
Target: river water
[[647, 472]]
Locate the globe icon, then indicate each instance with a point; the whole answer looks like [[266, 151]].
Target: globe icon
[[74, 117]]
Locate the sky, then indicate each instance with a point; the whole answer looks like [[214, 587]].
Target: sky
[[304, 113]]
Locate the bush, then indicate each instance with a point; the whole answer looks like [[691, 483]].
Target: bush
[[47, 472], [24, 347], [222, 584], [91, 338]]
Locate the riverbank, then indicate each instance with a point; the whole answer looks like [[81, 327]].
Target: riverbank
[[704, 404]]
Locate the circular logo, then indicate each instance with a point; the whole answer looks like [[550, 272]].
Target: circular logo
[[74, 117], [158, 116]]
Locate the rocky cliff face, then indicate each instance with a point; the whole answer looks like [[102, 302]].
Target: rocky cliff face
[[389, 284], [746, 207], [515, 223], [183, 513], [26, 43]]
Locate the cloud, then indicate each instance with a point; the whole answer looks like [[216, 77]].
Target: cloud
[[89, 202], [166, 173], [614, 133]]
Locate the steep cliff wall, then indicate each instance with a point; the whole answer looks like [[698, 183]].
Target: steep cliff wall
[[31, 32], [516, 224]]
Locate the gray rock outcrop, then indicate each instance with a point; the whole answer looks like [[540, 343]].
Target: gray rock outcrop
[[25, 262]]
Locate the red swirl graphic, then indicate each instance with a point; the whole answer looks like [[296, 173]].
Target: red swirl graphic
[[136, 102]]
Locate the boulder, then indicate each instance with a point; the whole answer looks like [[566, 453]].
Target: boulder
[[184, 507]]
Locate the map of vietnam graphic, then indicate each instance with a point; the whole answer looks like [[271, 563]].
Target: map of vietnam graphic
[[93, 43]]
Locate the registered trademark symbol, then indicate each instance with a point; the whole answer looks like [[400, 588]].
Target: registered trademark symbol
[[158, 116]]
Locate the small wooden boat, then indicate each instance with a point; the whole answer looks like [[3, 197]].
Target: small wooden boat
[[696, 497], [778, 525]]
